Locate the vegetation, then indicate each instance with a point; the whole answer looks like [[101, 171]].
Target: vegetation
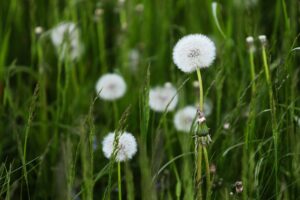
[[52, 122]]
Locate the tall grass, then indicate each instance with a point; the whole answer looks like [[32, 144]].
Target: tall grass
[[51, 127]]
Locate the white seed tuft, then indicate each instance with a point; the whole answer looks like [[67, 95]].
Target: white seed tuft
[[194, 51]]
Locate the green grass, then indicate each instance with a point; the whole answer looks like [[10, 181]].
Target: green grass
[[50, 116]]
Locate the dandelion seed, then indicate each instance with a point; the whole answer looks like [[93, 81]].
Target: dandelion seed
[[161, 98], [111, 87], [126, 149], [194, 51], [66, 39], [183, 119]]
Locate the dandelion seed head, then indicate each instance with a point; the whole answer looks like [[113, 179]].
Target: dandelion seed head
[[193, 51], [161, 97], [183, 119], [262, 39], [126, 149], [38, 30], [249, 39], [66, 39], [250, 43], [226, 126], [111, 87]]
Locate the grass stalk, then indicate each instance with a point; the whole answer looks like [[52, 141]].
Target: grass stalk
[[273, 114]]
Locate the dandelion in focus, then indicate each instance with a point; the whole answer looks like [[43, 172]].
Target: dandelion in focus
[[183, 119], [191, 53], [163, 98], [126, 146], [66, 39], [110, 87], [194, 51]]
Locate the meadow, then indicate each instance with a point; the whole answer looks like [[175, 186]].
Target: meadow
[[56, 115]]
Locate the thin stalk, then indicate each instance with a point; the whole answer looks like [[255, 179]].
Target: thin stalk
[[200, 90], [199, 172], [119, 181], [273, 114], [253, 86], [208, 184]]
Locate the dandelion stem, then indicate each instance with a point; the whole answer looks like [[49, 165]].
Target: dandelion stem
[[251, 58], [200, 90], [208, 185], [199, 173], [119, 181]]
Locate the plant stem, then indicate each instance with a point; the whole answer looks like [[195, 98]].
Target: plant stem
[[198, 149], [251, 58], [200, 90], [208, 185], [273, 114], [119, 181]]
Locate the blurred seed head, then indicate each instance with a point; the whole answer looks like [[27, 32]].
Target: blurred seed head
[[213, 168], [226, 126], [139, 8], [250, 43], [110, 87], [263, 40], [183, 119], [66, 39], [164, 97], [38, 30]]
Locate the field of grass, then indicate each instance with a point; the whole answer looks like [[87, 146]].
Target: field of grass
[[52, 124]]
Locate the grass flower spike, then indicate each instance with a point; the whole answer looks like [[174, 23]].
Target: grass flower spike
[[194, 51], [161, 98], [111, 87], [184, 118], [126, 149], [66, 39]]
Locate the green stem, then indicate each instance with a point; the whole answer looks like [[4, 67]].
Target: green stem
[[119, 181], [273, 114], [200, 90], [208, 184], [199, 173], [251, 58]]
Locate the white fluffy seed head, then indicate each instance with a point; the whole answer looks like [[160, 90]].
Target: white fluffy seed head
[[111, 87], [164, 97], [125, 150], [249, 39], [194, 51], [66, 39], [262, 39], [183, 119]]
